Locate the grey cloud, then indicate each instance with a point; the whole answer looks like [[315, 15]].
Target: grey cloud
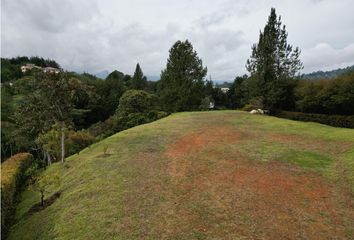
[[324, 56], [92, 35], [51, 16]]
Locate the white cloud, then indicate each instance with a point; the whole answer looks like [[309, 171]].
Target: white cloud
[[323, 56], [92, 35]]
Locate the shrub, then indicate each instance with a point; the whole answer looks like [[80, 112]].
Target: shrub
[[155, 115], [136, 101], [135, 107], [75, 141], [332, 120], [13, 179], [247, 108], [78, 140], [102, 129], [206, 103], [42, 183]]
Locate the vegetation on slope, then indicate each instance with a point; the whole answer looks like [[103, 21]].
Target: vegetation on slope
[[13, 178], [205, 175], [320, 75]]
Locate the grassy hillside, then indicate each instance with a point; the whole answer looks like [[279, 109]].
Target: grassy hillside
[[203, 175]]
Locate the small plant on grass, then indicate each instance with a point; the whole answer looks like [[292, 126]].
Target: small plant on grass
[[43, 183], [105, 150]]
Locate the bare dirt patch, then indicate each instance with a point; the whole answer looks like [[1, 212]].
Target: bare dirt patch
[[197, 142]]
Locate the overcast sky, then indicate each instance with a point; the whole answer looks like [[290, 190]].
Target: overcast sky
[[93, 35]]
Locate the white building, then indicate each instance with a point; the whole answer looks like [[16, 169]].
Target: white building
[[225, 89], [51, 70], [30, 66]]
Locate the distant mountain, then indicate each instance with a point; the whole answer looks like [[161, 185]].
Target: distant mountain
[[327, 74], [222, 83], [103, 74], [153, 77]]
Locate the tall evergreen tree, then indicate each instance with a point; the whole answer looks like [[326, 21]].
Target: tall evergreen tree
[[182, 82], [138, 80], [273, 64]]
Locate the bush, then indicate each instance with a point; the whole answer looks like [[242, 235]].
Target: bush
[[247, 108], [130, 120], [75, 141], [136, 101], [255, 103], [104, 129], [333, 96], [206, 104], [332, 120], [13, 179], [78, 140], [155, 115], [135, 107]]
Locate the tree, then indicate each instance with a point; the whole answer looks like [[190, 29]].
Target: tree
[[51, 103], [136, 101], [182, 82], [50, 143], [238, 92], [113, 88], [273, 63], [43, 183], [138, 80]]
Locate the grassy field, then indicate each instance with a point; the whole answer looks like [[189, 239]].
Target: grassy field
[[203, 175]]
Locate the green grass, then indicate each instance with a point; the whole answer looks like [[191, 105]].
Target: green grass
[[309, 160], [130, 194]]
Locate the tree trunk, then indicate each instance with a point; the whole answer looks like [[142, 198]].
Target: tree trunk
[[42, 199], [49, 158], [62, 142]]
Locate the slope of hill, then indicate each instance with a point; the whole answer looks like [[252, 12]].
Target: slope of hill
[[203, 175], [327, 74]]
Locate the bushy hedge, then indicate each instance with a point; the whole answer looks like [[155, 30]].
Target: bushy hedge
[[13, 178], [78, 140], [117, 123], [135, 107], [332, 120]]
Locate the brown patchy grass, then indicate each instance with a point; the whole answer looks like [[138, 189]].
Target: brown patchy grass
[[212, 192]]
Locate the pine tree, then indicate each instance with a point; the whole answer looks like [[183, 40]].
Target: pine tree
[[182, 82], [138, 80], [273, 64]]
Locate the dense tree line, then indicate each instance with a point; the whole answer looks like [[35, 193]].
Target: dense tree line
[[321, 75]]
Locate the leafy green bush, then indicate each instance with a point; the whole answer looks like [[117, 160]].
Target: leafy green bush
[[206, 102], [247, 108], [75, 141], [332, 120], [13, 178], [78, 140], [103, 129], [333, 96], [135, 107], [154, 115]]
